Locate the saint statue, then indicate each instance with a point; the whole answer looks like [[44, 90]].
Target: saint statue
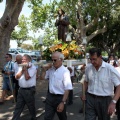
[[62, 23]]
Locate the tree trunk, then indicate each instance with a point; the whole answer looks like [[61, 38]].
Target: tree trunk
[[7, 23]]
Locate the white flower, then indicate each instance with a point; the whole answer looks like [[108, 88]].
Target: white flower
[[76, 53]]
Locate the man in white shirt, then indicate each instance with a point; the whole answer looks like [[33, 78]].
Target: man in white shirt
[[59, 86], [100, 79], [26, 76]]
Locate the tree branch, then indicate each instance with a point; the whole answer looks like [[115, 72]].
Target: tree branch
[[9, 9], [12, 11], [16, 13], [90, 25], [100, 31]]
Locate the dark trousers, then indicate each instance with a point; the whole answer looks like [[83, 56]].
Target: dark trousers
[[118, 109], [25, 97], [16, 90], [52, 102], [97, 107], [16, 87], [70, 97]]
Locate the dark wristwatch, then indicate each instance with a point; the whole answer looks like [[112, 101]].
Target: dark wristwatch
[[64, 102]]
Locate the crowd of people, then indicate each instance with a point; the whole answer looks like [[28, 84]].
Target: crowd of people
[[101, 86]]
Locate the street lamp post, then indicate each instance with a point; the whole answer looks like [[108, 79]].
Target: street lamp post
[[41, 43]]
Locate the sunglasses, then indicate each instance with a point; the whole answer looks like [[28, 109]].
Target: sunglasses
[[54, 60]]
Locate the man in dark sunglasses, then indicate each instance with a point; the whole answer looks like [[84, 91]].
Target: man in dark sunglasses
[[59, 86]]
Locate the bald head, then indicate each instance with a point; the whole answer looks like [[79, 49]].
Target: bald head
[[19, 59]]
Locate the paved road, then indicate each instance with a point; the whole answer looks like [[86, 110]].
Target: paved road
[[6, 110]]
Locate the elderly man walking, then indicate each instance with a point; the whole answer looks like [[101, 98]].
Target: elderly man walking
[[59, 86]]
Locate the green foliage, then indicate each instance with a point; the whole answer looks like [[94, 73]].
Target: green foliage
[[47, 54], [20, 34], [46, 13], [1, 1], [108, 12], [41, 14], [111, 38], [36, 44], [27, 46]]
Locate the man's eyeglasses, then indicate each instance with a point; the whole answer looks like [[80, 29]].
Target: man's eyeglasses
[[6, 57]]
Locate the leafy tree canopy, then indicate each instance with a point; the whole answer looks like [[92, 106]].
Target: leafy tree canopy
[[20, 34]]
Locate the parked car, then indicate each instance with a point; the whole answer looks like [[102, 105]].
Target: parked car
[[37, 54], [105, 58], [22, 52]]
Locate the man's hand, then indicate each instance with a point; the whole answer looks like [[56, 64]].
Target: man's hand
[[60, 107], [83, 98], [8, 73], [24, 68], [111, 108]]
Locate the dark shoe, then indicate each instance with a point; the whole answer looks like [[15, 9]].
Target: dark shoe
[[1, 103], [44, 101], [81, 110]]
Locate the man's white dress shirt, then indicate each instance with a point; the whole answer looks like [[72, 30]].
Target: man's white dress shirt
[[102, 82], [28, 83], [59, 80]]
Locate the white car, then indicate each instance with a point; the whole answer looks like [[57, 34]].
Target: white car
[[22, 52]]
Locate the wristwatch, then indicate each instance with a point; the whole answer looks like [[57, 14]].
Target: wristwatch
[[64, 102], [114, 101]]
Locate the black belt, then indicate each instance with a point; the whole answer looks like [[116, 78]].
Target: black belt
[[28, 88], [56, 94], [97, 96]]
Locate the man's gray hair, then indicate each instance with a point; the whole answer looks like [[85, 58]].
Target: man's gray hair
[[61, 56]]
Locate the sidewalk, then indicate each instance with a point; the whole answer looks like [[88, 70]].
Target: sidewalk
[[6, 110]]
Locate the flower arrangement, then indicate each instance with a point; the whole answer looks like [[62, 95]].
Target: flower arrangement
[[70, 50]]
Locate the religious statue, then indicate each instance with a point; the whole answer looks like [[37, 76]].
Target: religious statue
[[62, 23]]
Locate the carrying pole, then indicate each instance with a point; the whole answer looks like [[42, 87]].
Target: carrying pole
[[83, 93], [11, 85]]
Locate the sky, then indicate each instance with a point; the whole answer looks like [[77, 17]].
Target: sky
[[26, 11]]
